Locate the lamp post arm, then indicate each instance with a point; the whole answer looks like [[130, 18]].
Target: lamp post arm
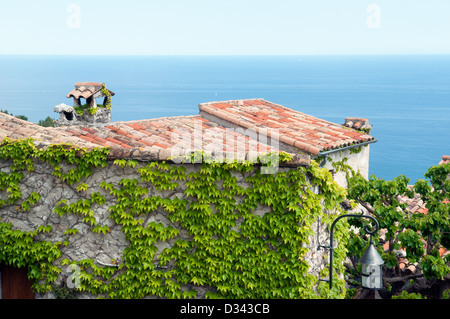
[[370, 232]]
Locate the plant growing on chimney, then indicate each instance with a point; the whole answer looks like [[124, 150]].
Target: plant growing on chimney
[[105, 91]]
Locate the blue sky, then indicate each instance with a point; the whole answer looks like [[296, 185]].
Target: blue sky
[[225, 27]]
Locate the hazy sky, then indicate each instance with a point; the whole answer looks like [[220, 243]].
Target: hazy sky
[[225, 27]]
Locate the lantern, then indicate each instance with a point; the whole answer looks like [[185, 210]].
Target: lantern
[[371, 261], [372, 268]]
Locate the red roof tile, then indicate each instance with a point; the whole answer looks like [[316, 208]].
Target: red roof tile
[[445, 160], [155, 139], [86, 89], [14, 128], [415, 204], [297, 129], [159, 139]]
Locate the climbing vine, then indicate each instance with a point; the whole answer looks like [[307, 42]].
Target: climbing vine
[[86, 107], [106, 92], [235, 252]]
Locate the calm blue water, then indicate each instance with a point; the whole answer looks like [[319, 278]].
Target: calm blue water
[[406, 98]]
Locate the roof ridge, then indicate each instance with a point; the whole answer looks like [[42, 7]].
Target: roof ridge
[[235, 100], [275, 104], [155, 119]]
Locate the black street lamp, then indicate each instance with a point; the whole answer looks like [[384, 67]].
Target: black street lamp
[[371, 261]]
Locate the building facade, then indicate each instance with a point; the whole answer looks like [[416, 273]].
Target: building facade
[[76, 207]]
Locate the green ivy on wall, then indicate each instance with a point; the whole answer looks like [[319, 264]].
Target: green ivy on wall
[[230, 249]]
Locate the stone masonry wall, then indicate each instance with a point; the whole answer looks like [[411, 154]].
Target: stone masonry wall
[[103, 248]]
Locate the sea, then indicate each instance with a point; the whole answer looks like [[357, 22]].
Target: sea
[[405, 97]]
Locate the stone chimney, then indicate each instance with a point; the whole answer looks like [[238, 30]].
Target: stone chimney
[[360, 124], [90, 112]]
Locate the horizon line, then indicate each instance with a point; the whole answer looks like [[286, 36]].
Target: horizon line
[[222, 55]]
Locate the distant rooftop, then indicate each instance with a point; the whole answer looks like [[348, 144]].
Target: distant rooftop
[[416, 204], [445, 160]]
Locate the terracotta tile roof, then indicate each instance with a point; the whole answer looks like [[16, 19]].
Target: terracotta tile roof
[[415, 204], [302, 131], [159, 139], [445, 160], [147, 140], [15, 128], [86, 89]]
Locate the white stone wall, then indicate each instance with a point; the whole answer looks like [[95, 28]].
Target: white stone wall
[[358, 162]]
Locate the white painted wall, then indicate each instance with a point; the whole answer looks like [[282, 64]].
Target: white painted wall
[[358, 161]]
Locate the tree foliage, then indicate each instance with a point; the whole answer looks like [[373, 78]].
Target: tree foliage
[[22, 117], [48, 122], [419, 234]]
